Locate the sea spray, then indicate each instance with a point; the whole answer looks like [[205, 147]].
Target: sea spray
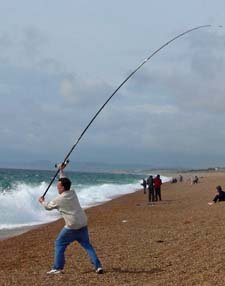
[[20, 190]]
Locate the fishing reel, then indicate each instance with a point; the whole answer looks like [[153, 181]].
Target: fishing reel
[[64, 164]]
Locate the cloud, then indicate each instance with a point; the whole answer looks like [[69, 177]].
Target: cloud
[[32, 42], [84, 93], [5, 41], [195, 81], [163, 108], [67, 87]]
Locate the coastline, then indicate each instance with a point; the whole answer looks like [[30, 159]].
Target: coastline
[[8, 233], [12, 232], [178, 241]]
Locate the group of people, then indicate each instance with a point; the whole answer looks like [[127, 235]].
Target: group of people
[[175, 180], [154, 188]]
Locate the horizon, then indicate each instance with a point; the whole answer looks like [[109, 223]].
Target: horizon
[[102, 167]]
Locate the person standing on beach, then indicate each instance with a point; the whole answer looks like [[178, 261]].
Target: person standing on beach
[[75, 228], [151, 195], [157, 185], [144, 184], [180, 178]]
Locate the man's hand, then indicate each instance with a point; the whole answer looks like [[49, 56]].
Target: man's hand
[[41, 200], [61, 166]]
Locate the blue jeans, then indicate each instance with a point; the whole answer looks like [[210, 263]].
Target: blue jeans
[[65, 237]]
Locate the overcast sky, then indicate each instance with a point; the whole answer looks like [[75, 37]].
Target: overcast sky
[[60, 60]]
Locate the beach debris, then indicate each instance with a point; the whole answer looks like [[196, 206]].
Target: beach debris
[[124, 220], [187, 221]]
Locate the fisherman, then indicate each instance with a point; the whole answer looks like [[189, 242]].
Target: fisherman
[[181, 178], [75, 228], [144, 184], [151, 195], [157, 185]]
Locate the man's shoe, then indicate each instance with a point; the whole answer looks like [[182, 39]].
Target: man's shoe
[[55, 271], [99, 270]]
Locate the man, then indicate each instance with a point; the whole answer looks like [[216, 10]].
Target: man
[[144, 184], [157, 186], [75, 228], [151, 195]]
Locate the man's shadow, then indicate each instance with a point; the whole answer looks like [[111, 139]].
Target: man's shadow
[[149, 271], [131, 271]]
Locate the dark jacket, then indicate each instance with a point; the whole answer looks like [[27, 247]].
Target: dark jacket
[[220, 197]]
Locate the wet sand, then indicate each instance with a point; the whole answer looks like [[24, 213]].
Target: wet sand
[[7, 233], [178, 241]]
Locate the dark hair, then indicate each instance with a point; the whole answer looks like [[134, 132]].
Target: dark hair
[[219, 189], [66, 183]]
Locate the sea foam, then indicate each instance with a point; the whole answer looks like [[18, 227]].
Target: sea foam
[[20, 207]]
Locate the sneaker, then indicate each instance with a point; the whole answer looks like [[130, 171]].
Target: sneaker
[[99, 270], [55, 271]]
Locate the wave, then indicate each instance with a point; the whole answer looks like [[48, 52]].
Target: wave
[[20, 207]]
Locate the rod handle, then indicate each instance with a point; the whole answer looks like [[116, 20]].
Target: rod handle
[[64, 163]]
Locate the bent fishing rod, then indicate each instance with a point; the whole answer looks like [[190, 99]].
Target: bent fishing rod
[[65, 161]]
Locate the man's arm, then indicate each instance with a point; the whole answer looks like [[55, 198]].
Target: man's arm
[[48, 205], [61, 171], [53, 204]]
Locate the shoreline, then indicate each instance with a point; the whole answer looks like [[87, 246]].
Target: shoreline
[[12, 232], [176, 242], [7, 233]]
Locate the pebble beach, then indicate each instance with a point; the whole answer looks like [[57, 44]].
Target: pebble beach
[[178, 241]]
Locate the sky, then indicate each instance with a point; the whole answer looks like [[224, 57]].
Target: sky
[[61, 60]]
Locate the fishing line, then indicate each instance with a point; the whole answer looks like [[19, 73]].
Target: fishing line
[[65, 161]]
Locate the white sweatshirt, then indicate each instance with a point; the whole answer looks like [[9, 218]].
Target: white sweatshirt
[[69, 207]]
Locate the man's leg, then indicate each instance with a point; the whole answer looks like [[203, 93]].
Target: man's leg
[[151, 198], [85, 243], [156, 194], [149, 195], [153, 194], [65, 237], [160, 194]]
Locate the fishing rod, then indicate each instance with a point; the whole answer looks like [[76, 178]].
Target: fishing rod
[[65, 161]]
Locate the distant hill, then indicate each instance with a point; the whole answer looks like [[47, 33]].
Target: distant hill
[[75, 166], [99, 167]]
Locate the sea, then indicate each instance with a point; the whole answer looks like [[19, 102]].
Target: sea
[[20, 190]]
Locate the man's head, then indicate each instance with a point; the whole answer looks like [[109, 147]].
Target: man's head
[[219, 188], [63, 185]]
